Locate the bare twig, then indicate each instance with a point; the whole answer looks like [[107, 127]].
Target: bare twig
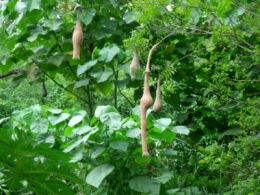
[[12, 72], [46, 74], [120, 91]]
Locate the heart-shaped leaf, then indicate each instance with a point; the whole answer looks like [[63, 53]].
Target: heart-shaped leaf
[[98, 174]]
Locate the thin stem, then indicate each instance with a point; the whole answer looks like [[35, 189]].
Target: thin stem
[[132, 105], [46, 74]]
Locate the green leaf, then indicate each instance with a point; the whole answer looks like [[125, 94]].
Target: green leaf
[[79, 141], [164, 177], [75, 120], [100, 34], [145, 185], [108, 53], [83, 68], [77, 156], [209, 45], [32, 4], [55, 110], [100, 110], [119, 145], [56, 59], [83, 129], [162, 123], [97, 152], [168, 135], [112, 119], [101, 75], [129, 17], [81, 83], [180, 130], [133, 133], [173, 191], [73, 145], [232, 131], [155, 135], [98, 174], [46, 138], [87, 15], [53, 24], [40, 126], [170, 152], [68, 131], [54, 120], [11, 5], [105, 87]]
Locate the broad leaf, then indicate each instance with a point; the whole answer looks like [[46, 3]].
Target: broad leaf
[[133, 133], [81, 83], [32, 4], [55, 110], [97, 152], [56, 59], [108, 53], [119, 145], [54, 120], [83, 68], [180, 130], [129, 17], [98, 174], [87, 15], [164, 177], [75, 120], [112, 119], [145, 185], [53, 24], [40, 126], [101, 75], [105, 87], [162, 123], [100, 110]]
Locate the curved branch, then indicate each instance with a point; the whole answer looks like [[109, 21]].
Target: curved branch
[[12, 72], [60, 85]]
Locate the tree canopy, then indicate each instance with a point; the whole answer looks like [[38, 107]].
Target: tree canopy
[[84, 132]]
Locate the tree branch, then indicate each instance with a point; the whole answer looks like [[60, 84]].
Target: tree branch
[[12, 72]]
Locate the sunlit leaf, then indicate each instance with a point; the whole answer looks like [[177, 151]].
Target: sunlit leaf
[[40, 126], [55, 110], [75, 120], [133, 133], [129, 17], [97, 152], [100, 110], [32, 4], [98, 174], [162, 123], [180, 130], [54, 120]]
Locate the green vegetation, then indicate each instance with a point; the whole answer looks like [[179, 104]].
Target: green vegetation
[[72, 126]]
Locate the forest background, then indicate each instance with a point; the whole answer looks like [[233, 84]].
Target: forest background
[[72, 126]]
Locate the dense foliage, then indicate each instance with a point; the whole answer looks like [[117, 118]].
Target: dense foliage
[[84, 138]]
